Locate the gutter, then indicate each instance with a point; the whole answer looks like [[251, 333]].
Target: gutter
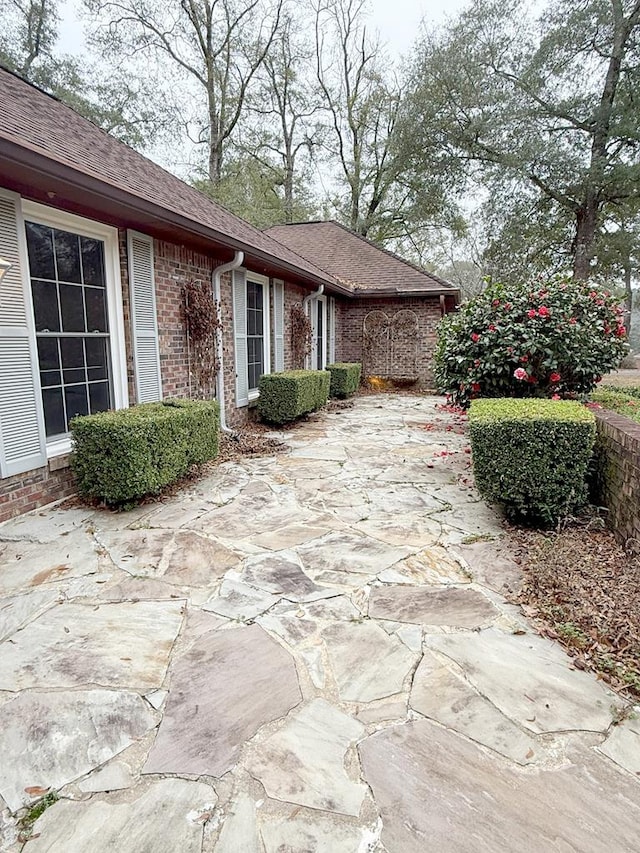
[[62, 172], [217, 274]]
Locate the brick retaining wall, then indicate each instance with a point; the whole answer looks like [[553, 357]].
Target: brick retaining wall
[[617, 474]]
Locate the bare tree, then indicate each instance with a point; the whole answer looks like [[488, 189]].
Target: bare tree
[[219, 45], [363, 107], [286, 109], [30, 32]]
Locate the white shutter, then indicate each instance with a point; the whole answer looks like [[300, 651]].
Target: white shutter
[[22, 439], [278, 325], [240, 337], [144, 321], [332, 330]]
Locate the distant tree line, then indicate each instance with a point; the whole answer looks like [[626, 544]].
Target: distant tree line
[[506, 145]]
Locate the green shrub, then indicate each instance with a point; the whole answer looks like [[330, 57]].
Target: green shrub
[[288, 395], [121, 456], [532, 455], [618, 400], [345, 378], [631, 390], [535, 339]]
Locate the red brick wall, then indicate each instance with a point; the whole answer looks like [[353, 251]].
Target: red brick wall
[[350, 320], [24, 492], [617, 480]]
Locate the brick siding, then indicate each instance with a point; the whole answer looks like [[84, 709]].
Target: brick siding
[[617, 475], [24, 492], [350, 322]]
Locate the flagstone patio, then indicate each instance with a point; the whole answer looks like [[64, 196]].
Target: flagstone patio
[[306, 653]]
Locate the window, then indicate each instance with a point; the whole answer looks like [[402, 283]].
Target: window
[[255, 333], [251, 321], [76, 305]]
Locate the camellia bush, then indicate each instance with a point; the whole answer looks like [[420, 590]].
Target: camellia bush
[[553, 338]]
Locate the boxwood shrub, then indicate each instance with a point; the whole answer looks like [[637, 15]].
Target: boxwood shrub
[[121, 456], [532, 455], [288, 395], [345, 378]]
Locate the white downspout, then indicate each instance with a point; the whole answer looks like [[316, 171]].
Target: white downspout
[[305, 302], [217, 274]]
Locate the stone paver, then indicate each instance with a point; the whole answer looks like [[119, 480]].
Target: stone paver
[[227, 686], [303, 763], [58, 737], [167, 817], [301, 653]]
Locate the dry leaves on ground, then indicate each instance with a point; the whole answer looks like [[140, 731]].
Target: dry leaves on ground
[[584, 590]]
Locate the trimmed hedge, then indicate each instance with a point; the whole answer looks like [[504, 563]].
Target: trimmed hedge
[[532, 455], [119, 457], [288, 395], [345, 378], [624, 401]]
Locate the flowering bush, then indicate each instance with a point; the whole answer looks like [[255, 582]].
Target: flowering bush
[[542, 339]]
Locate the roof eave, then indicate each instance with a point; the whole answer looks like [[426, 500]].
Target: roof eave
[[390, 293], [24, 156]]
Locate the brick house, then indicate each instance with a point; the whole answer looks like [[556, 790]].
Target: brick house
[[101, 242]]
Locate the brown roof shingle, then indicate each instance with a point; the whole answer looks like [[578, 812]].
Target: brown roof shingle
[[357, 262], [39, 123]]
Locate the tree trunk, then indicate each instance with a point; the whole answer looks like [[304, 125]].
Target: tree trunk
[[628, 293], [586, 227]]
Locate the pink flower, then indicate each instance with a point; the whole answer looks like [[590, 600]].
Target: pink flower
[[556, 397], [573, 321], [492, 328], [543, 311], [475, 337], [554, 378], [532, 313], [621, 331], [475, 387], [520, 373], [477, 362], [496, 303], [524, 359]]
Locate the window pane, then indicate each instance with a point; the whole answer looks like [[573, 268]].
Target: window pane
[[72, 307], [45, 306], [49, 361], [96, 349], [92, 261], [54, 421], [72, 352], [67, 256], [96, 309], [75, 397], [40, 246], [99, 397], [48, 355]]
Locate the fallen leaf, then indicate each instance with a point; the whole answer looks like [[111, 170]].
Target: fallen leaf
[[36, 791]]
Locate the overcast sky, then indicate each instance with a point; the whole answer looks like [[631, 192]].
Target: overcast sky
[[397, 20]]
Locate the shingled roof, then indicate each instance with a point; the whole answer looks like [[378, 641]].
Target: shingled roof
[[39, 130], [357, 263]]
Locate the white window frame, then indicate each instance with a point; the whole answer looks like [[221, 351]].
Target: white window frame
[[263, 280], [44, 215], [313, 317]]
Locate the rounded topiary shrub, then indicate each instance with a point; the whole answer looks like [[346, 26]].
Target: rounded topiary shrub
[[540, 339]]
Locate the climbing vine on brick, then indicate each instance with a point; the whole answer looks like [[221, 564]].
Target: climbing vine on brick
[[202, 321], [301, 335]]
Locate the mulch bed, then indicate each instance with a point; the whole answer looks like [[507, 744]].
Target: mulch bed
[[583, 590]]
